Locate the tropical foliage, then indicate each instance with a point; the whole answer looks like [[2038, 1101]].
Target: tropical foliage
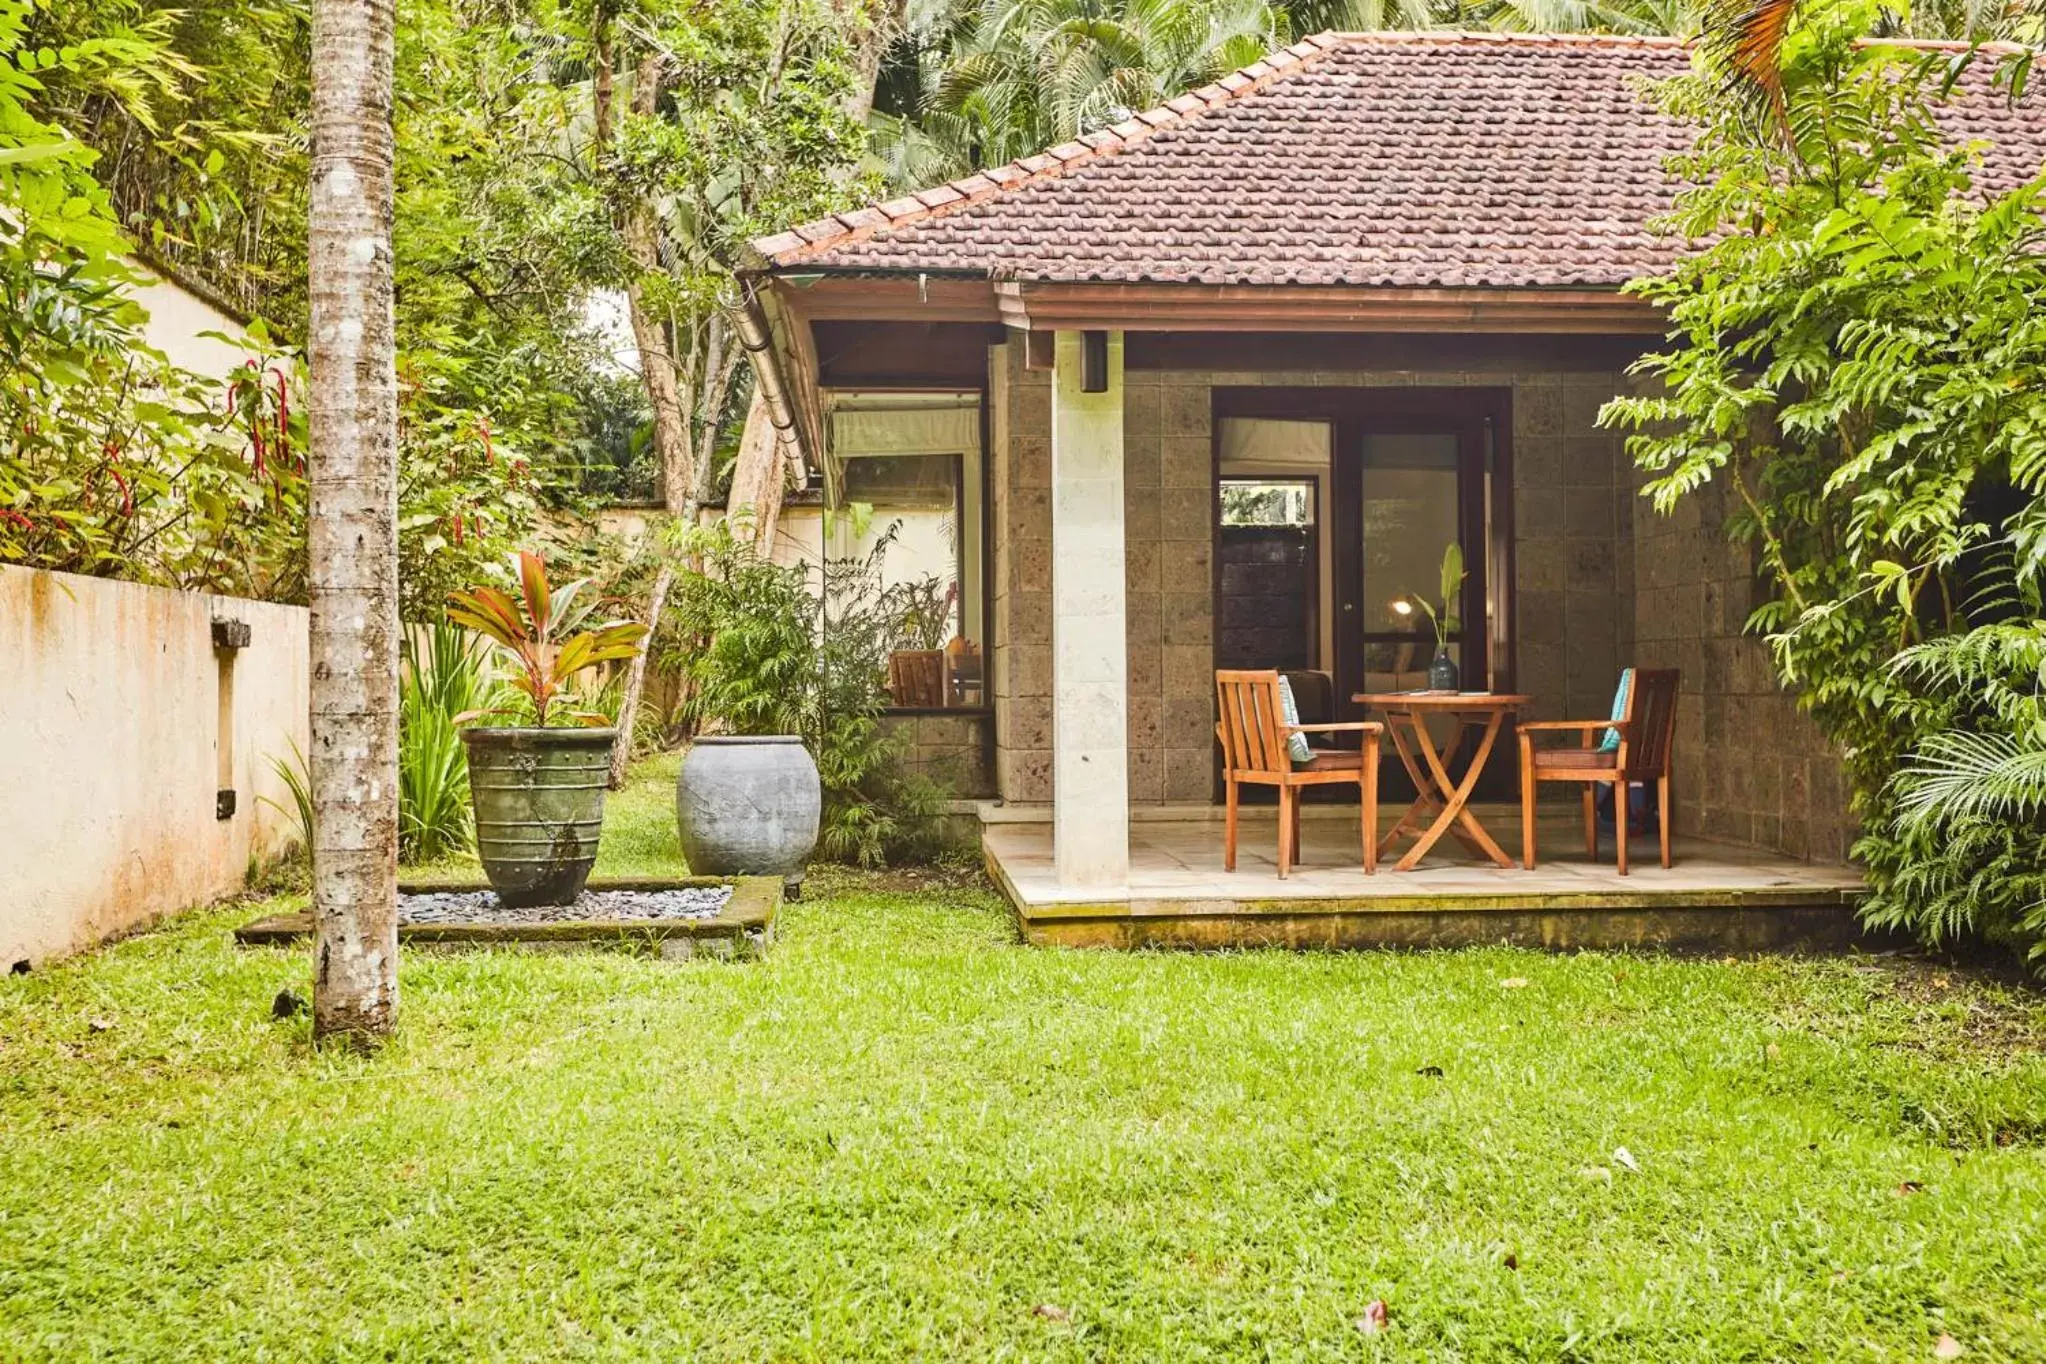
[[971, 83], [1862, 362], [111, 459], [446, 676], [542, 636], [981, 83]]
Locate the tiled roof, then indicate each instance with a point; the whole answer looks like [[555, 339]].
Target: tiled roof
[[1394, 159]]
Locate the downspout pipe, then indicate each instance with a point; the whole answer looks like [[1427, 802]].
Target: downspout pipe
[[756, 338]]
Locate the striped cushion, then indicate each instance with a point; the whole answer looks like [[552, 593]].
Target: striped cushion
[[1297, 747]]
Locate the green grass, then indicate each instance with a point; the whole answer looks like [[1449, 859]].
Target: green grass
[[902, 1134]]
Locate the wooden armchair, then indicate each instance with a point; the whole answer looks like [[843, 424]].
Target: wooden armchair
[[1647, 730], [1254, 735]]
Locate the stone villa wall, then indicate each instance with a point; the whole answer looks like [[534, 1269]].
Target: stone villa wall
[[1749, 767], [1574, 559], [1601, 581], [951, 749]]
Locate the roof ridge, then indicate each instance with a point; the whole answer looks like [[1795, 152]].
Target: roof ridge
[[1387, 36], [806, 239], [1444, 36]]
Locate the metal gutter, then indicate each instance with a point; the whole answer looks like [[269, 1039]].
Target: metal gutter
[[756, 338]]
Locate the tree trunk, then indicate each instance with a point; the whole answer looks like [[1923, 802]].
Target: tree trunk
[[640, 233], [758, 477], [657, 369], [761, 471], [883, 21], [635, 676], [353, 526]]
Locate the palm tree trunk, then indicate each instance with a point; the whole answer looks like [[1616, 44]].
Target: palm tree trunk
[[353, 526]]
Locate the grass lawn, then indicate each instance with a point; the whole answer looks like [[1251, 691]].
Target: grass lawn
[[904, 1135]]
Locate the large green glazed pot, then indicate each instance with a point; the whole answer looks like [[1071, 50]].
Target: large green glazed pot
[[539, 801]]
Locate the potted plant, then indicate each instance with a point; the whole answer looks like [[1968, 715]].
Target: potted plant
[[1442, 674], [538, 788]]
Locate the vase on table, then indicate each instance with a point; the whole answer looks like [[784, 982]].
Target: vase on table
[[1442, 675]]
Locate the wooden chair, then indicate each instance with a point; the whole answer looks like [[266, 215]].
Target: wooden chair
[[1253, 731], [1647, 732], [916, 677]]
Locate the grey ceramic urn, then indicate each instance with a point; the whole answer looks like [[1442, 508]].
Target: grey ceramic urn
[[749, 806]]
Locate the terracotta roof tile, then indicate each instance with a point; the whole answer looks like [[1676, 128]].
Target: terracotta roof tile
[[1401, 160]]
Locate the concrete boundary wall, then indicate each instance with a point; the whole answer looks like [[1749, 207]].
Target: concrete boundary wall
[[115, 700]]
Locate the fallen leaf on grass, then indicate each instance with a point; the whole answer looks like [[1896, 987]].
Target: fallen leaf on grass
[[1511, 1261], [1051, 1313], [99, 1024], [1948, 1348], [1513, 983], [1622, 1156], [1772, 1051], [1375, 1318], [1433, 1072], [1909, 1187]]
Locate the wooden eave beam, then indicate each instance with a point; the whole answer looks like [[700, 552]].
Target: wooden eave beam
[[891, 298], [1288, 308]]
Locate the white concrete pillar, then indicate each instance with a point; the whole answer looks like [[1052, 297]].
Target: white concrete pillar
[[1089, 631]]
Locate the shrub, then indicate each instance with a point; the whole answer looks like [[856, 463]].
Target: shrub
[[1862, 361], [445, 674], [765, 648]]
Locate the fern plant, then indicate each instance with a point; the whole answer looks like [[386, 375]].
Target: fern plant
[[1968, 837]]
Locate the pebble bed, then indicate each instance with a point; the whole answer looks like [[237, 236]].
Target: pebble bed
[[598, 906]]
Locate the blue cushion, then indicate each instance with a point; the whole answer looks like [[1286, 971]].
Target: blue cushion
[[1611, 741], [1297, 747]]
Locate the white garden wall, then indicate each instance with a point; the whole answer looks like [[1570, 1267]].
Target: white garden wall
[[114, 700]]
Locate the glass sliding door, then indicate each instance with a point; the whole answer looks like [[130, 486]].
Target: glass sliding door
[[1371, 485], [1409, 512], [1414, 476]]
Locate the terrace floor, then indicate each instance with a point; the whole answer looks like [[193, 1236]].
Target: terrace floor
[[1715, 896]]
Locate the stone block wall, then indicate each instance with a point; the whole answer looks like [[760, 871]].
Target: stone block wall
[[1019, 650], [1749, 767], [951, 749], [1575, 563]]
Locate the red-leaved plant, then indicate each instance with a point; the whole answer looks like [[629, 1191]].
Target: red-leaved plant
[[542, 632]]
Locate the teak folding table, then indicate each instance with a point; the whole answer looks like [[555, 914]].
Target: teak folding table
[[1441, 805]]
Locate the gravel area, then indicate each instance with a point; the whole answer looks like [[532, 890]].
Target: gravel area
[[605, 906]]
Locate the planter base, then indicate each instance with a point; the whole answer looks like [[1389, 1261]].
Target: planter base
[[743, 929]]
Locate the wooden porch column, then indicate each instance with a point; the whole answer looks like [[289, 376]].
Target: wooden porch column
[[1089, 634]]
